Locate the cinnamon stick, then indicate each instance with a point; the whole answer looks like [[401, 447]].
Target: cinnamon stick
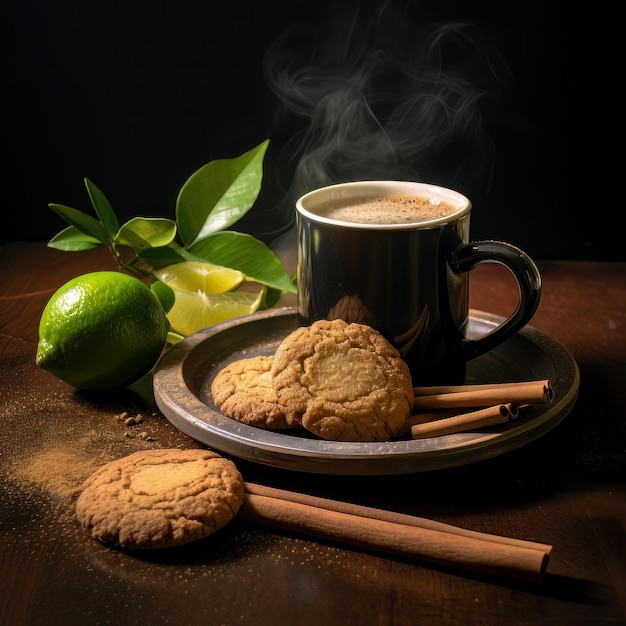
[[454, 396], [437, 389], [385, 515], [427, 416], [490, 416], [406, 540]]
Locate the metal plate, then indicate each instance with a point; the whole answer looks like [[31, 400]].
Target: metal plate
[[183, 378]]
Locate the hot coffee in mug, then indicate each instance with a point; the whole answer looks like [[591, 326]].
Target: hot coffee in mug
[[396, 256]]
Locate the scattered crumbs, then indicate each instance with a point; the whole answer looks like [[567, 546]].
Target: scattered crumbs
[[131, 421]]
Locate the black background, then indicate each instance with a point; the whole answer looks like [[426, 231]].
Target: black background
[[136, 95]]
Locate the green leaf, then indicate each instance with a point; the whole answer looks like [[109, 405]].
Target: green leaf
[[144, 388], [146, 232], [164, 256], [173, 338], [164, 293], [219, 194], [248, 255], [71, 239], [103, 208], [85, 223], [270, 297]]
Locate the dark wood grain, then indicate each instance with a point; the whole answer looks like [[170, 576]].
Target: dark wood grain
[[566, 489]]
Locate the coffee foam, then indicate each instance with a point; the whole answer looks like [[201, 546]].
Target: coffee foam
[[386, 209]]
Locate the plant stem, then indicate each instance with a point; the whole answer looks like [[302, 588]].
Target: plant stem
[[132, 267]]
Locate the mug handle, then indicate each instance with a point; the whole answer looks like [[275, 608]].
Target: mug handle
[[526, 273]]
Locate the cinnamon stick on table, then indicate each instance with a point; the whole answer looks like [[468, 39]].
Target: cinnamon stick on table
[[395, 533], [454, 396]]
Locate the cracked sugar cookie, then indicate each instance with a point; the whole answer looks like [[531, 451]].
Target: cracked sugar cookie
[[346, 380], [243, 391], [160, 498]]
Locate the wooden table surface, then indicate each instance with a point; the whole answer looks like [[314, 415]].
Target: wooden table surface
[[565, 489]]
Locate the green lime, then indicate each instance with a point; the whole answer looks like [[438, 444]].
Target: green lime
[[195, 276], [194, 310], [204, 296], [102, 330]]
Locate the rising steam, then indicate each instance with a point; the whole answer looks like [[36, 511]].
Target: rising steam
[[382, 97]]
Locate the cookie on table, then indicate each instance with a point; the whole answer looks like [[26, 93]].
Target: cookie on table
[[243, 390], [346, 380], [160, 498]]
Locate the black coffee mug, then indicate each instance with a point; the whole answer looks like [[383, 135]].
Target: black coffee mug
[[405, 274]]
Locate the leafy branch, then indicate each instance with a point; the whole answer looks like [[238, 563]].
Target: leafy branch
[[212, 199]]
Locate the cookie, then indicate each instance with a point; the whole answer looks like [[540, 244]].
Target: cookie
[[243, 390], [346, 381], [160, 498]]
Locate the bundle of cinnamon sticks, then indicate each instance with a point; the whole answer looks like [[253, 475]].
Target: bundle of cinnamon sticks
[[443, 410], [394, 533]]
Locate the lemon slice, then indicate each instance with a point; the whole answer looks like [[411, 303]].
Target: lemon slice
[[196, 276], [194, 310]]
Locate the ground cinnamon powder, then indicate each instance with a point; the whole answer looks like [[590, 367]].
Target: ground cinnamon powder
[[58, 470]]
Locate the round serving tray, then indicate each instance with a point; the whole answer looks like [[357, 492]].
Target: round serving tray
[[183, 377]]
